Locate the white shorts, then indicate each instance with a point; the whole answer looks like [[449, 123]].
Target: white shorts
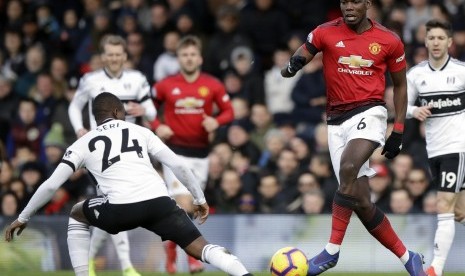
[[370, 125], [199, 166]]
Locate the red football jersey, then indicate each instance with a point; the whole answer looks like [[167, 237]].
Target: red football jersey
[[354, 64], [185, 105]]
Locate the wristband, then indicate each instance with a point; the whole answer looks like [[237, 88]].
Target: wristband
[[398, 127]]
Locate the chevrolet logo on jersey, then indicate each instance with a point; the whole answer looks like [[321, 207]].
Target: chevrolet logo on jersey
[[355, 61]]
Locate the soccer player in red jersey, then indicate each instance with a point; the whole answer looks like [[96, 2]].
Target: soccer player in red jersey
[[357, 52], [188, 101]]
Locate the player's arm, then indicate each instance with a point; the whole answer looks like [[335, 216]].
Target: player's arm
[[145, 107], [418, 112], [225, 114], [300, 58], [393, 144], [75, 108], [43, 195]]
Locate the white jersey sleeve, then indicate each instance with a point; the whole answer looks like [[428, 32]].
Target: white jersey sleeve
[[412, 94], [158, 150], [143, 95], [46, 191], [77, 104]]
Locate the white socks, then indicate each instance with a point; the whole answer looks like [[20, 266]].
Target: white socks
[[121, 242], [96, 240], [443, 240], [222, 259], [78, 246], [332, 248]]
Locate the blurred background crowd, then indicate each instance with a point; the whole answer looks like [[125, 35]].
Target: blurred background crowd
[[272, 159]]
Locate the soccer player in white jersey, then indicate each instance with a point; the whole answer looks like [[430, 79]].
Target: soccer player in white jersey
[[132, 88], [117, 154], [438, 85]]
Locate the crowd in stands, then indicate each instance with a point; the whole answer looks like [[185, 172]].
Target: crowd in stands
[[272, 159]]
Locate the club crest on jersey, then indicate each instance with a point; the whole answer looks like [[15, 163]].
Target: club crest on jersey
[[203, 91], [374, 48]]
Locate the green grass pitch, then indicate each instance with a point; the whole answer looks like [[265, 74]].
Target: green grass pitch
[[117, 273]]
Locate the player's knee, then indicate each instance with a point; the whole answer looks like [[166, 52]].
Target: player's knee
[[348, 171], [77, 212]]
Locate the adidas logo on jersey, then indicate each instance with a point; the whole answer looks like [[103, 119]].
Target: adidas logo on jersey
[[340, 44], [423, 83]]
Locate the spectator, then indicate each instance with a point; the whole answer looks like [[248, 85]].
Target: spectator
[[240, 107], [299, 144], [239, 139], [26, 130], [167, 63], [137, 54], [35, 62], [9, 204], [216, 169], [70, 34], [224, 152], [309, 93], [13, 64], [43, 92], [267, 27], [401, 166], [242, 60], [8, 104], [274, 143], [47, 23], [32, 174], [271, 200], [401, 203], [229, 194], [262, 121], [417, 185], [313, 202], [222, 42], [14, 14], [306, 182], [159, 26], [18, 187], [287, 173], [247, 204], [381, 186], [278, 89]]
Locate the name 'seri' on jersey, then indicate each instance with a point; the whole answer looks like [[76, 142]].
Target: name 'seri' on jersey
[[355, 64], [116, 155], [444, 91]]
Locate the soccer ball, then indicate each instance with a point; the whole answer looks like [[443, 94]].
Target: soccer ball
[[289, 261]]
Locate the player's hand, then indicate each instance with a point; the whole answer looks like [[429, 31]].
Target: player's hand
[[422, 112], [209, 123], [393, 145], [201, 212], [135, 109], [295, 64], [81, 132], [164, 132], [10, 230]]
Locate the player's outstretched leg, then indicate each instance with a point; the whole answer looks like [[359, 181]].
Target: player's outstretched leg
[[322, 262], [171, 256], [414, 265], [217, 256], [121, 242], [342, 211]]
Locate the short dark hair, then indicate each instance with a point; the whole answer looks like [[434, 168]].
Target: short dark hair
[[104, 104], [434, 23]]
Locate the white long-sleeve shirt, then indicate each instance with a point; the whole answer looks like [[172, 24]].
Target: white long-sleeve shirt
[[132, 86]]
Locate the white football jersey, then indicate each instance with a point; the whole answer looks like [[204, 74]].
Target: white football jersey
[[117, 156], [444, 90], [132, 86]]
